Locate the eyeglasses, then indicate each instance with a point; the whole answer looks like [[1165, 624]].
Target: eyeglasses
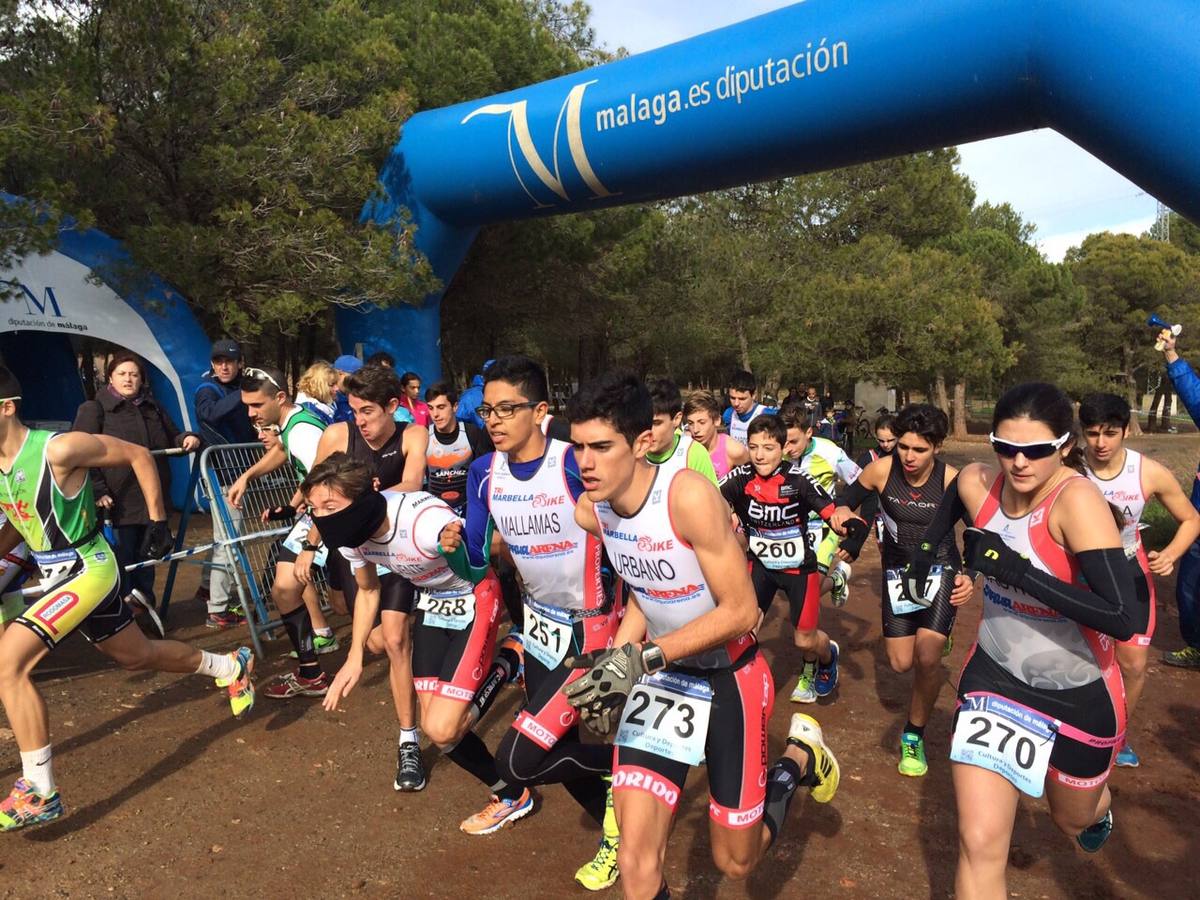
[[502, 410], [1036, 450], [261, 375]]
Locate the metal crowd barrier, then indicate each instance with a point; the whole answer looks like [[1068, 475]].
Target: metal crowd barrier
[[251, 561]]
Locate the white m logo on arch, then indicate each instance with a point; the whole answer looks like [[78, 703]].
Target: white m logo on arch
[[518, 126]]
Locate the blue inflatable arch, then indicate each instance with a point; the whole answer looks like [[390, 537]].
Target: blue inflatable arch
[[60, 294], [814, 86]]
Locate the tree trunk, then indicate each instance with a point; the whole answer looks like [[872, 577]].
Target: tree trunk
[[1131, 393], [939, 393], [1160, 407], [743, 345], [958, 428], [296, 360]]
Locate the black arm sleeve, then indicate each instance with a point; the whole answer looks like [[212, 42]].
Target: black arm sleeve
[[1104, 604], [870, 507], [949, 511], [855, 495]]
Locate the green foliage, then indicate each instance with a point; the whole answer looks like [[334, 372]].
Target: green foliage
[[231, 144], [1127, 278]]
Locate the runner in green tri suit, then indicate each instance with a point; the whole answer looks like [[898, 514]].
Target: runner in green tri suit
[[47, 497], [270, 407]]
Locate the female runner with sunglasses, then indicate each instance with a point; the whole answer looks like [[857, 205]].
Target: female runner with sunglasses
[[1041, 704]]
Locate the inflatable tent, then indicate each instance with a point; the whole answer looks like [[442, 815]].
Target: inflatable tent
[[62, 294]]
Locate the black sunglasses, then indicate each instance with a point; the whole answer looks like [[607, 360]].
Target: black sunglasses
[[1037, 450]]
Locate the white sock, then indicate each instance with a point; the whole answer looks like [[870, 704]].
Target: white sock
[[217, 665], [409, 736], [323, 632], [38, 770]]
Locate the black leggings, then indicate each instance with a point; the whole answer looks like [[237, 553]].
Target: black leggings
[[544, 747]]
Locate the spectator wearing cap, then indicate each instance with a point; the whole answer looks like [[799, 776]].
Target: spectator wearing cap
[[345, 365], [472, 399], [223, 417]]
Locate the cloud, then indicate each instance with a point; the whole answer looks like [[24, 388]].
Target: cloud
[[1055, 246]]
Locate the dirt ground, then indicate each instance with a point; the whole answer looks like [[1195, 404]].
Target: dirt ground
[[168, 796]]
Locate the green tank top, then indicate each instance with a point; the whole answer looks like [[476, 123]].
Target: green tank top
[[301, 416], [45, 517]]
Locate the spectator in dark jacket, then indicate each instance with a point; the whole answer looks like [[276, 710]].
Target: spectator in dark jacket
[[223, 417], [125, 409]]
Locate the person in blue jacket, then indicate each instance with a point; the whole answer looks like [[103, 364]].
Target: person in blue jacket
[[219, 408], [346, 364], [472, 399], [223, 419], [1187, 581]]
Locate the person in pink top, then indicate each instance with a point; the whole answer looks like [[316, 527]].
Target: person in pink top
[[701, 415], [411, 382]]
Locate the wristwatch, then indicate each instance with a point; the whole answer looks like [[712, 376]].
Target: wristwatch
[[310, 548], [653, 659]]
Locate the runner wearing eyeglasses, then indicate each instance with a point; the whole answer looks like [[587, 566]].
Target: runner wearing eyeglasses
[[525, 493]]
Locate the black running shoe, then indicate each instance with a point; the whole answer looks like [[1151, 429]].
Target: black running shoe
[[147, 605], [1093, 837], [410, 774]]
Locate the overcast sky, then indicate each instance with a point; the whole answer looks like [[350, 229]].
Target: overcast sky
[[1064, 190]]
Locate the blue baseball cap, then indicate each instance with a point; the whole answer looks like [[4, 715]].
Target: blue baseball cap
[[347, 363]]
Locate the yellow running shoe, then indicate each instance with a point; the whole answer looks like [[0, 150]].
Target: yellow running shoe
[[806, 732], [240, 687], [601, 871]]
